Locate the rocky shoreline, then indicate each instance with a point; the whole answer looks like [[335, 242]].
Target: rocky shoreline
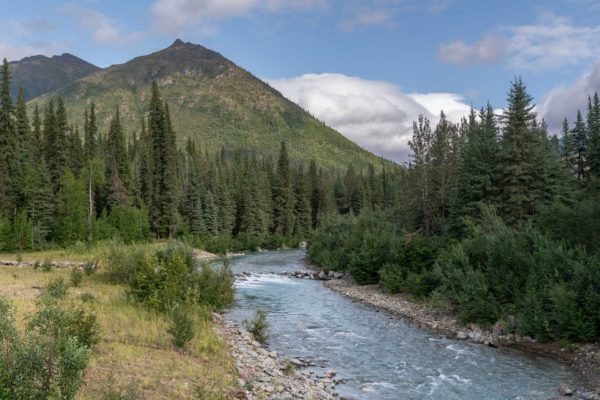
[[264, 375], [586, 358]]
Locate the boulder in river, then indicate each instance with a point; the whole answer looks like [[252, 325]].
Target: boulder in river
[[565, 390]]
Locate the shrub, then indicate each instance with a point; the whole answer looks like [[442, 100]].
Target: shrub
[[56, 289], [47, 266], [123, 262], [182, 328], [171, 278], [87, 297], [90, 267], [49, 360], [258, 325], [76, 277]]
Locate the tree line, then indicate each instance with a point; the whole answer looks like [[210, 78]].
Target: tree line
[[62, 184], [495, 219]]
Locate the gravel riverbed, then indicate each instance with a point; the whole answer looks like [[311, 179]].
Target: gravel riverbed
[[264, 375]]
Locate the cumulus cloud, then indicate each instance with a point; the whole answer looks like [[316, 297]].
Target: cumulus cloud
[[551, 42], [175, 16], [104, 30], [489, 49], [375, 114], [565, 101]]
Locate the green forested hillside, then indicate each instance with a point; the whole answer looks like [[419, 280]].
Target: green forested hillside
[[211, 100]]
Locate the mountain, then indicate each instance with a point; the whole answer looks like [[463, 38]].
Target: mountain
[[211, 100], [40, 74]]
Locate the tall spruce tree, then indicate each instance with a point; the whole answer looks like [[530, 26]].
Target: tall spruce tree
[[117, 165], [516, 174], [579, 138], [593, 127], [7, 144], [477, 182], [283, 198]]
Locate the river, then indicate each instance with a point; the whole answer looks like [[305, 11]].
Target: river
[[377, 355]]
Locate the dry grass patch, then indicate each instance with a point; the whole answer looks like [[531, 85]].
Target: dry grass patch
[[135, 354]]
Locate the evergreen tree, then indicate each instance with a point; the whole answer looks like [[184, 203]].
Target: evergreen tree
[[517, 156], [40, 204], [117, 166], [302, 208], [478, 167], [593, 128], [580, 143], [7, 144], [90, 133], [421, 147], [21, 150], [72, 210], [210, 213], [283, 200], [35, 139]]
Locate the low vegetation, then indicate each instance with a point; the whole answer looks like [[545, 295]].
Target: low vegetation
[[258, 326], [132, 350]]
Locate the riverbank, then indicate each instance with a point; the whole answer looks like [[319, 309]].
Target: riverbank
[[586, 358], [264, 375]]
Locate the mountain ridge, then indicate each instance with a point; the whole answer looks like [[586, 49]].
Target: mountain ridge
[[212, 100], [40, 74]]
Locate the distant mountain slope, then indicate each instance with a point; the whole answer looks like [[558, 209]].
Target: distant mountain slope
[[212, 100], [40, 74]]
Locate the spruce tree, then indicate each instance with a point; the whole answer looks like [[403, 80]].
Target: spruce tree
[[580, 145], [593, 127], [117, 165], [283, 200], [7, 144], [478, 167], [302, 208], [90, 132], [21, 150], [518, 155]]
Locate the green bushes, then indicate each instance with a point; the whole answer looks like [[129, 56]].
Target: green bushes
[[413, 271], [498, 271], [495, 272], [169, 278], [47, 362]]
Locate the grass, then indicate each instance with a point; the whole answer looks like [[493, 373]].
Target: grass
[[135, 353], [79, 253]]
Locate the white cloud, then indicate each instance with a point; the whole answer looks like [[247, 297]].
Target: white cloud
[[366, 19], [104, 30], [176, 16], [490, 48], [13, 52], [375, 114], [551, 42], [565, 101]]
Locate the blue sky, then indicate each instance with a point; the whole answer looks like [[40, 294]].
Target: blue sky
[[366, 67]]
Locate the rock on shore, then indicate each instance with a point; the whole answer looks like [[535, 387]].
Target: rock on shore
[[263, 375]]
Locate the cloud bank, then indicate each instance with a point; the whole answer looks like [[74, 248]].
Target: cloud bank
[[565, 101], [551, 42], [375, 114]]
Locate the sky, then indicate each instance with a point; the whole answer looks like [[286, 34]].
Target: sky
[[367, 68]]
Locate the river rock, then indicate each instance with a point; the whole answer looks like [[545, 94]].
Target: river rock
[[321, 275], [461, 335], [565, 390]]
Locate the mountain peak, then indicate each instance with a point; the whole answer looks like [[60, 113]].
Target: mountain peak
[[177, 43]]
